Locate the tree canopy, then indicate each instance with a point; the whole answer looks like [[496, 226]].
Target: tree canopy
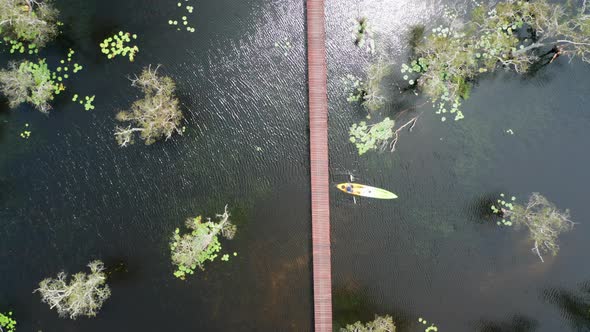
[[30, 21], [155, 116], [544, 222], [83, 295], [380, 324], [513, 34], [29, 82], [191, 250]]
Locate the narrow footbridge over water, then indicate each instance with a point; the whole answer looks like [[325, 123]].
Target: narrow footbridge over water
[[318, 140]]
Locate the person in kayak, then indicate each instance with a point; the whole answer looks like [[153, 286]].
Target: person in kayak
[[349, 188]]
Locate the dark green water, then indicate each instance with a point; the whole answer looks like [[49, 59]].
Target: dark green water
[[433, 253], [69, 194]]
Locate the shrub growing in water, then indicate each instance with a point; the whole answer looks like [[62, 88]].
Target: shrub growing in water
[[83, 295], [191, 250], [544, 222], [33, 22], [29, 82], [380, 324], [155, 116]]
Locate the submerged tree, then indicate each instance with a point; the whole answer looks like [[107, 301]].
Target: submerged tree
[[373, 98], [380, 324], [513, 34], [83, 295], [544, 222], [362, 34], [191, 250], [29, 82], [155, 116], [30, 21]]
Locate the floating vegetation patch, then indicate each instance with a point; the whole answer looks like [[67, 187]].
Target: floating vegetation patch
[[355, 87], [189, 9], [25, 133], [18, 46], [284, 46], [7, 323], [431, 328], [503, 209], [372, 137], [87, 101], [118, 45], [362, 34]]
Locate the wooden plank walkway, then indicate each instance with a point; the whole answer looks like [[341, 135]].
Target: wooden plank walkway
[[318, 141]]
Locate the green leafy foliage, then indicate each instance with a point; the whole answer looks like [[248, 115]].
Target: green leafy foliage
[[544, 222], [192, 250], [502, 208], [355, 88], [372, 137], [380, 324], [27, 25], [117, 45], [156, 116], [509, 35], [431, 328], [83, 295], [7, 323], [175, 23]]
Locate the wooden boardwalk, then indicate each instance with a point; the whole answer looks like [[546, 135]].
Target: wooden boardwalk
[[318, 142]]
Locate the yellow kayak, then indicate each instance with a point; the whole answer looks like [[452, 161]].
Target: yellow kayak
[[365, 191]]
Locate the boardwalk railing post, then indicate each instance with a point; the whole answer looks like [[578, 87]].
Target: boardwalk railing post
[[318, 140]]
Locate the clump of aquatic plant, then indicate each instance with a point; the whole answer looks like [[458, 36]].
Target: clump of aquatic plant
[[192, 250], [431, 328], [378, 136], [189, 9], [355, 88], [7, 323], [117, 44], [380, 324], [82, 295], [27, 24], [362, 34], [371, 137], [87, 101], [30, 82], [155, 116], [503, 208], [25, 134], [544, 222], [284, 46], [512, 34]]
